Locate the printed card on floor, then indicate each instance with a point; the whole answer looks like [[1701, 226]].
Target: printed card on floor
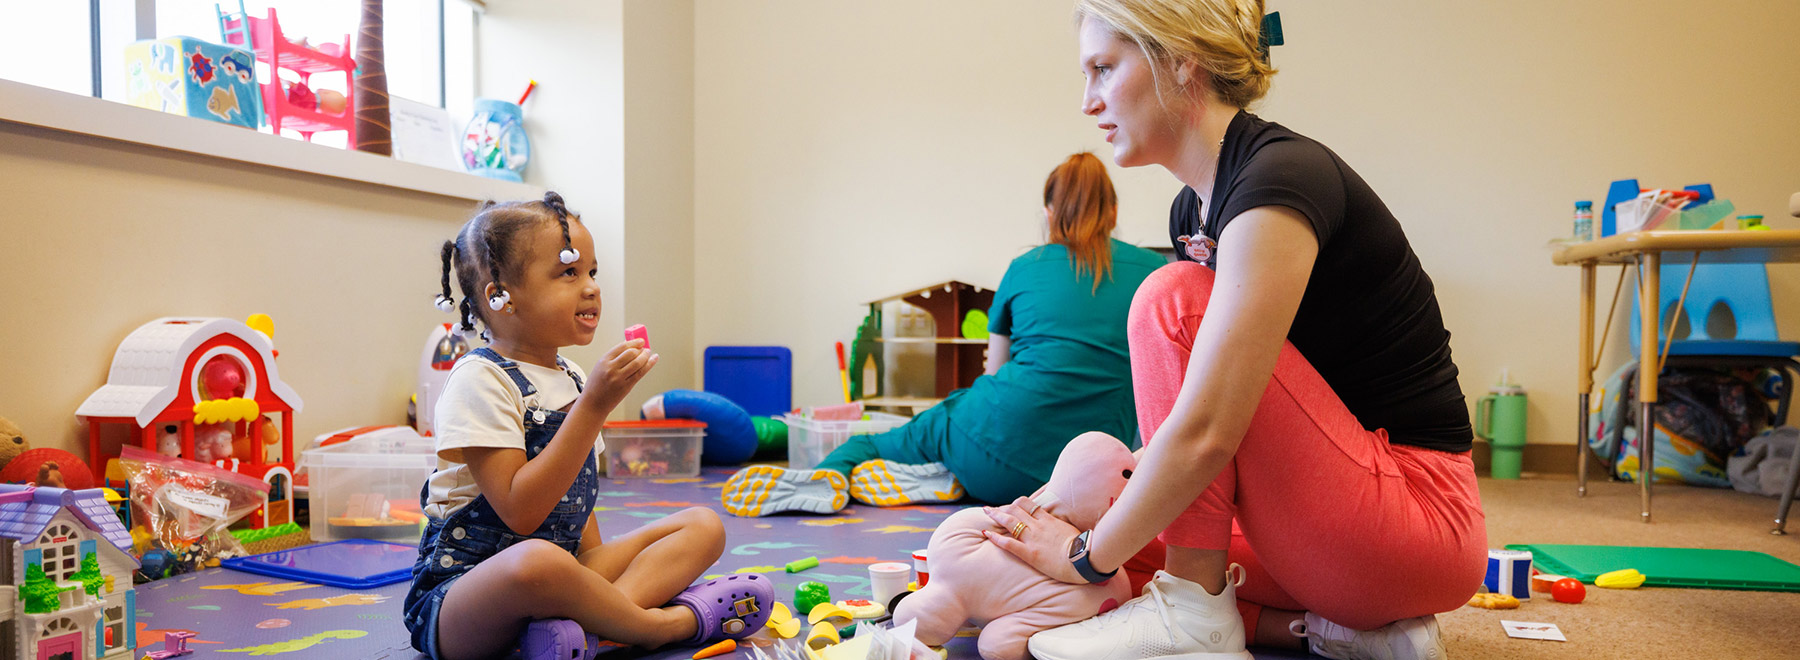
[[1529, 630]]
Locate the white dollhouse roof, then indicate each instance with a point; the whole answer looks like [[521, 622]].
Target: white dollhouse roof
[[146, 370]]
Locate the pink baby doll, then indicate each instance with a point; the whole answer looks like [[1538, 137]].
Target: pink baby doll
[[973, 580]]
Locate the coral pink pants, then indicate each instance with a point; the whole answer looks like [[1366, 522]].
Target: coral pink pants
[[1330, 518]]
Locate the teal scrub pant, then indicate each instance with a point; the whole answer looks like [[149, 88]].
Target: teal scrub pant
[[931, 438]]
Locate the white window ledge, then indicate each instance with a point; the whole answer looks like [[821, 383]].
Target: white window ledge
[[84, 115]]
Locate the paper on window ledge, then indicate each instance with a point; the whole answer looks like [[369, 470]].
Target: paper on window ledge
[[423, 134]]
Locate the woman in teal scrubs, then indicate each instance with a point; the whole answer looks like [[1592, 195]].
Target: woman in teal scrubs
[[1057, 367]]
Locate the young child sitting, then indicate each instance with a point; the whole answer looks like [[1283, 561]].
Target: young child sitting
[[511, 556]]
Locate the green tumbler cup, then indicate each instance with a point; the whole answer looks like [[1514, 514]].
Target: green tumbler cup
[[1500, 420]]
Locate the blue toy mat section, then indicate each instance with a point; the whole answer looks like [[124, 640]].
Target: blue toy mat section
[[236, 615], [351, 564]]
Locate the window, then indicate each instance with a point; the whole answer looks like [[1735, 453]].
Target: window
[[47, 44], [59, 555], [78, 46]]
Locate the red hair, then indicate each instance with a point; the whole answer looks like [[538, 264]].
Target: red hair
[[1083, 209]]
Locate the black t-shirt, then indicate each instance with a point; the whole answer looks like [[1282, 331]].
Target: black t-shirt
[[1369, 321]]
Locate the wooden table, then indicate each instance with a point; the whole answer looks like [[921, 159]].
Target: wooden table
[[1645, 250]]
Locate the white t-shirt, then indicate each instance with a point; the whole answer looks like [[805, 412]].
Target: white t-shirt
[[481, 407]]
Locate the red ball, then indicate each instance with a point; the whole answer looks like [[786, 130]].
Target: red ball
[[1568, 590]]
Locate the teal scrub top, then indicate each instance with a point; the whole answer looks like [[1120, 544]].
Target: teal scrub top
[[1070, 369]]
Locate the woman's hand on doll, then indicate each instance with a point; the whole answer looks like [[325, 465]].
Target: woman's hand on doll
[[616, 373], [1043, 540]]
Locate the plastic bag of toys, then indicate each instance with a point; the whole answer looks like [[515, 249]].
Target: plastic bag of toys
[[188, 507]]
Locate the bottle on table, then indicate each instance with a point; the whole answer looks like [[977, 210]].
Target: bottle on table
[[1584, 221]]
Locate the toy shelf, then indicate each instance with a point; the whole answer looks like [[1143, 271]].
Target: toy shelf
[[326, 58], [311, 121], [264, 37]]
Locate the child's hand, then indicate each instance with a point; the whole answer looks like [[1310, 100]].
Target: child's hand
[[614, 375]]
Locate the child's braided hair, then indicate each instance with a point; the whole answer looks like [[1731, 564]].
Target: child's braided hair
[[485, 252]]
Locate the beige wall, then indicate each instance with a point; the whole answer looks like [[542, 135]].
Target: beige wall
[[845, 151], [98, 238], [659, 190], [575, 118]]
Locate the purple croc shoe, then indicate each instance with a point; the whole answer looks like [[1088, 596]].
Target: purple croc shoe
[[557, 639], [731, 607]]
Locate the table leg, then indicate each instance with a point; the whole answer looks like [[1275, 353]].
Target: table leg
[[1787, 495], [1650, 317], [1585, 380]]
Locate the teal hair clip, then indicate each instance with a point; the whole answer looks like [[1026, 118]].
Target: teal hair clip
[[1271, 35]]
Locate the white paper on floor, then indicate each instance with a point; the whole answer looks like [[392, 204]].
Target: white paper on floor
[[1530, 630]]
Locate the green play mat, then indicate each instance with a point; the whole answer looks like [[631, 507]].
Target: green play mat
[[1669, 567]]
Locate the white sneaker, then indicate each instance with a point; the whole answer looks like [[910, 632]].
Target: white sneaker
[[1174, 618], [1407, 639]]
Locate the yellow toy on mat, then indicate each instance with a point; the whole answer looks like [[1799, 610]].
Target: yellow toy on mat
[[1493, 601], [1628, 578]]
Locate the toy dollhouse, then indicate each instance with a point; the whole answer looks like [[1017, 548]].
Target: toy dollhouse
[[65, 576], [174, 377], [959, 358]]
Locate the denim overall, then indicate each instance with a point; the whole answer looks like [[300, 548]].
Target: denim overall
[[454, 545]]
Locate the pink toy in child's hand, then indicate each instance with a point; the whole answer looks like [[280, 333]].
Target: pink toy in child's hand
[[638, 332]]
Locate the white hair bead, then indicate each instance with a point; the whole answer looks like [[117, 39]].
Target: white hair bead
[[444, 304], [499, 300], [569, 255]]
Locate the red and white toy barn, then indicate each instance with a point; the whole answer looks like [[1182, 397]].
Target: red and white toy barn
[[203, 389]]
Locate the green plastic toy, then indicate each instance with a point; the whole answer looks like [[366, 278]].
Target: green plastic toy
[[771, 435], [975, 325], [808, 595]]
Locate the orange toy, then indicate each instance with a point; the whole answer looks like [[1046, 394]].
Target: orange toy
[[720, 648]]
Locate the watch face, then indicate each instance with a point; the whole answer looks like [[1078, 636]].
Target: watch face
[[1079, 547]]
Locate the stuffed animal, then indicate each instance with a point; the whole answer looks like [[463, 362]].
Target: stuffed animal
[[12, 442], [973, 580]]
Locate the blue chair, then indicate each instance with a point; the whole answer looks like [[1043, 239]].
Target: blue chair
[[1728, 320], [1728, 312]]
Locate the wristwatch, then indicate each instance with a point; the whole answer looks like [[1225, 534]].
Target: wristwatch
[[1078, 555]]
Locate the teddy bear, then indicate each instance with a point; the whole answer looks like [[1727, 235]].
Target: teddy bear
[[12, 441], [973, 580]]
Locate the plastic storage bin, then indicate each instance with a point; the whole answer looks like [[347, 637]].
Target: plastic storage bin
[[655, 448], [809, 440], [368, 487]]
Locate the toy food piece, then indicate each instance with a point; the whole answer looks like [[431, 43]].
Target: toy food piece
[[1493, 601], [1542, 582], [802, 564], [1628, 578], [862, 609], [809, 594], [638, 332], [782, 622], [823, 635], [720, 648], [1568, 590], [829, 613]]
